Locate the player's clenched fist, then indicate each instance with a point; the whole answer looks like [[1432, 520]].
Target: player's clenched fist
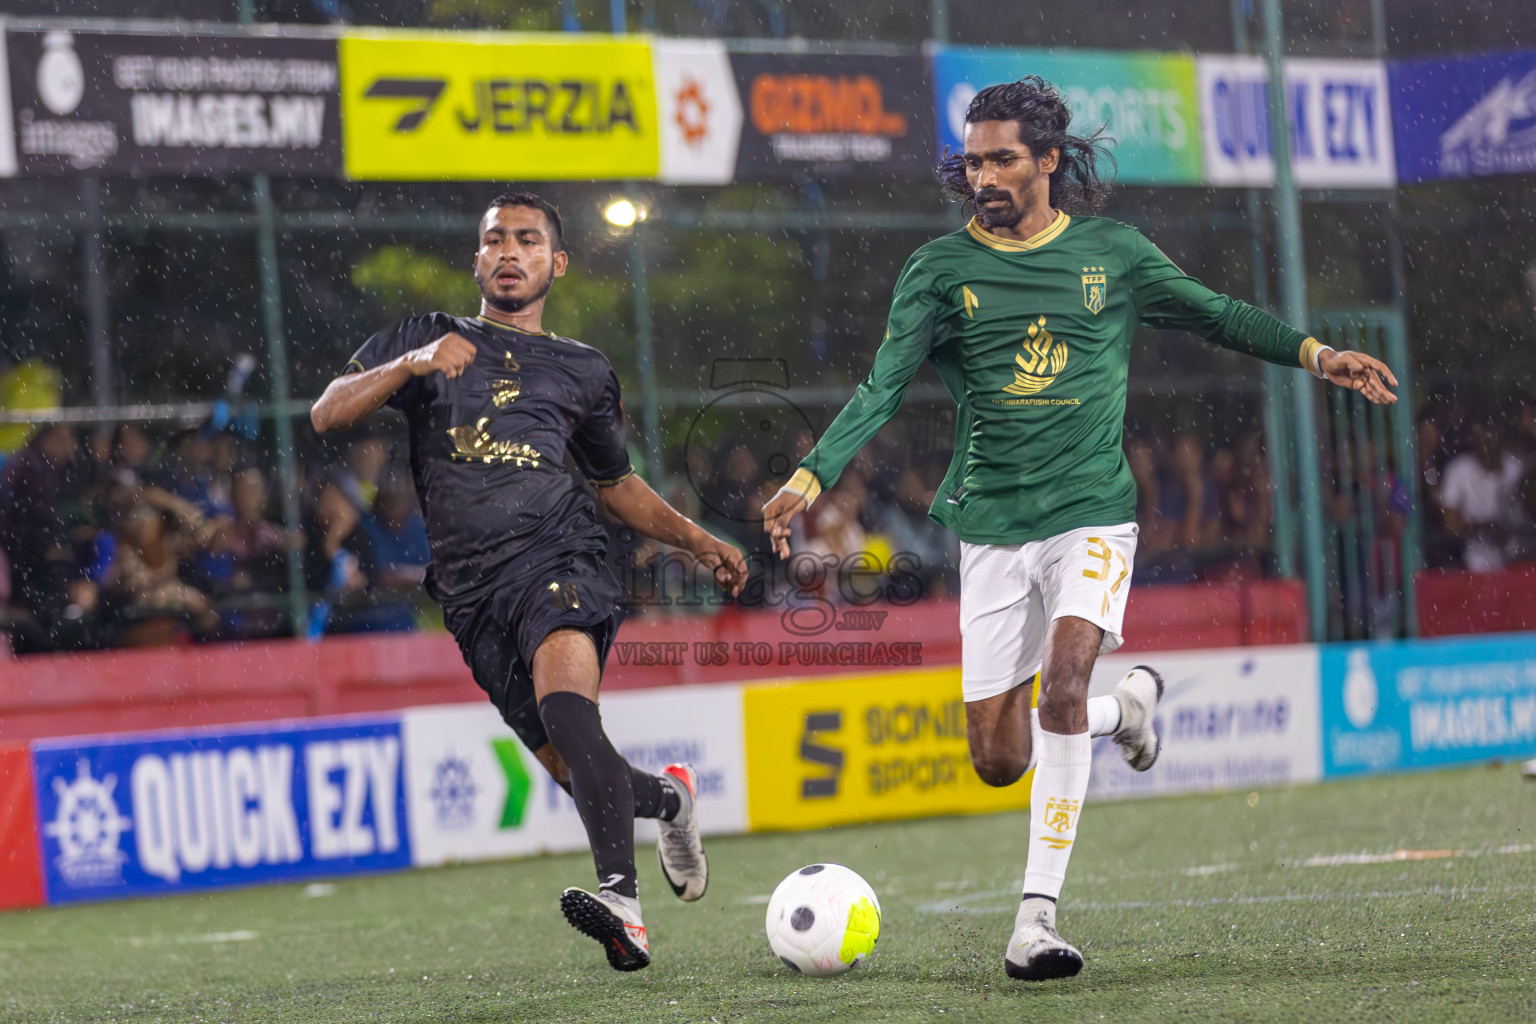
[[451, 355]]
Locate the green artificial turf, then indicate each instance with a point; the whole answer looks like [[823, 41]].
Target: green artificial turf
[[1191, 908]]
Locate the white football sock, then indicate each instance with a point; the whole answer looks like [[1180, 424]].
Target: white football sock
[[1055, 803], [1103, 715], [1103, 720]]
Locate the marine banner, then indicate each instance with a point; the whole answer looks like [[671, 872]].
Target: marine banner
[[158, 813], [864, 748], [179, 105], [1228, 719], [1340, 127], [825, 115], [1464, 117], [1426, 703], [497, 106], [1145, 101], [476, 793]]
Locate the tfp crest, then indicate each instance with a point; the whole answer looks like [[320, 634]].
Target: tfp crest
[[1095, 288]]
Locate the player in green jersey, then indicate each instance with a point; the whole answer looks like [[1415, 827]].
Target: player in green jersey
[[1027, 314]]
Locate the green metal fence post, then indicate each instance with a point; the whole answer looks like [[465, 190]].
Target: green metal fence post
[[645, 355], [277, 366], [1293, 289]]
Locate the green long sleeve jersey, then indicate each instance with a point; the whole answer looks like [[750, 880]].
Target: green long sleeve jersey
[[1032, 339]]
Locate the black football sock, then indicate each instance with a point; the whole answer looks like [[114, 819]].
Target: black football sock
[[600, 784], [654, 798]]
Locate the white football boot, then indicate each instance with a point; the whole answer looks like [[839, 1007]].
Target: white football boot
[[1138, 694], [1036, 952], [612, 920], [678, 847]]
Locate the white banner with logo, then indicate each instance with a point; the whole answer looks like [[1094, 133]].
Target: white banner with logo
[[1340, 124], [1229, 719], [474, 792], [700, 111]]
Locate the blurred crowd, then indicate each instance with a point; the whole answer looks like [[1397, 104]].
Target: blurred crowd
[[1477, 460], [112, 536]]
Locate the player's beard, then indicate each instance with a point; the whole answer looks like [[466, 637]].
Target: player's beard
[[508, 305], [998, 216]]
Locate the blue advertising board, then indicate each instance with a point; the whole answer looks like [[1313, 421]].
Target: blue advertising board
[[1427, 703], [1464, 117], [159, 813]]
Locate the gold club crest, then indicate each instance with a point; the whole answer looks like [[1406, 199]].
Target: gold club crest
[[1038, 364], [1060, 813], [1095, 288]]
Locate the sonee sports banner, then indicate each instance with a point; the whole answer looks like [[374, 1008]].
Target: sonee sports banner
[[177, 105], [497, 106]]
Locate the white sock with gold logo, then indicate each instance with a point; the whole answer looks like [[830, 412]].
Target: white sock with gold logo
[[1055, 802], [1103, 720]]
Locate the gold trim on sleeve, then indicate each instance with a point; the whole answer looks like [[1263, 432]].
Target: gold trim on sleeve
[[615, 481], [1311, 348], [1001, 244], [805, 484]]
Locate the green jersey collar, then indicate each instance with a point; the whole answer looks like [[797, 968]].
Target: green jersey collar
[[1001, 244]]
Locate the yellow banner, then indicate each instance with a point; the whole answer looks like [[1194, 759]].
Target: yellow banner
[[497, 106], [863, 748]]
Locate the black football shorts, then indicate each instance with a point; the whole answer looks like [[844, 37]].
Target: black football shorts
[[499, 634]]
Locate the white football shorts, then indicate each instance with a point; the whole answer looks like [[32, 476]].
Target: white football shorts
[[1010, 594]]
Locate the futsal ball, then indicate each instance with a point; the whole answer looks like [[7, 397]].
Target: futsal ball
[[823, 920]]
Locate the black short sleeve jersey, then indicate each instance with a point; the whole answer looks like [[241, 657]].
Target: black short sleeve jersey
[[489, 449]]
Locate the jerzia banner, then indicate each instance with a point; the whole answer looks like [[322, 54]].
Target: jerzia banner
[[182, 105]]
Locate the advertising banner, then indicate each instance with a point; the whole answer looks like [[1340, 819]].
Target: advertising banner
[[476, 793], [1229, 719], [1421, 704], [159, 813], [21, 875], [822, 115], [497, 106], [1146, 101], [1465, 117], [173, 104], [864, 748], [1340, 127], [7, 135], [700, 111]]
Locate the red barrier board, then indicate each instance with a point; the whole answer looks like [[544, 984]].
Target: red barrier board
[[21, 870], [1453, 603]]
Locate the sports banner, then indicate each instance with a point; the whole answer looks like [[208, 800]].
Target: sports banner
[[700, 111], [865, 748], [1145, 100], [1465, 117], [495, 106], [178, 105], [476, 793], [1228, 719], [823, 115], [21, 875], [151, 814], [1427, 703], [1340, 127]]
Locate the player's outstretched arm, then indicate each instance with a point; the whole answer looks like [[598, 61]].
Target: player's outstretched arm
[[632, 502], [780, 510], [353, 397], [1359, 372]]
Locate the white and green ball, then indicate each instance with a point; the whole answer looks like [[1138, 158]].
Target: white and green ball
[[823, 920]]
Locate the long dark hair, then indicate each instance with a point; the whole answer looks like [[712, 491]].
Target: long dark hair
[[1079, 184]]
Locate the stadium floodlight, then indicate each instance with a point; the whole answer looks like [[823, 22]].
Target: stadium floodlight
[[623, 213]]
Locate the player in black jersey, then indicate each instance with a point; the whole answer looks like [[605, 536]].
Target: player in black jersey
[[498, 410]]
